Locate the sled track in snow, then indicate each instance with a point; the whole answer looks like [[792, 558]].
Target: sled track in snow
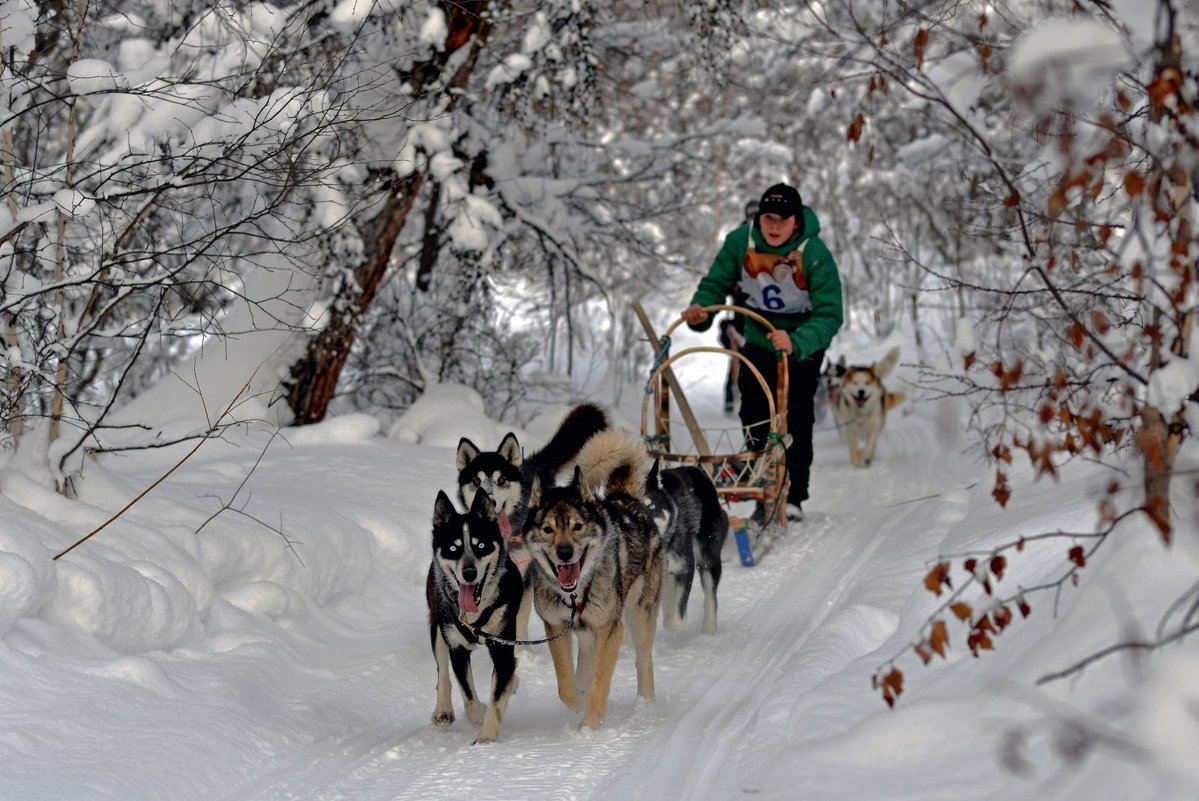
[[718, 725]]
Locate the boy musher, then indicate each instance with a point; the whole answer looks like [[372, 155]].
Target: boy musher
[[789, 277]]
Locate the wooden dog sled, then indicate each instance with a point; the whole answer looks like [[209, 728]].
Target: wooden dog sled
[[739, 474]]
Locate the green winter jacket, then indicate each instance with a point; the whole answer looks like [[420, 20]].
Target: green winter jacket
[[811, 331]]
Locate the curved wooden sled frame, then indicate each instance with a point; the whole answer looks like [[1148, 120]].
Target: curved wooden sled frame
[[775, 486]]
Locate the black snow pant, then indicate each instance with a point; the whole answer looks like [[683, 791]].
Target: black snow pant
[[803, 376]]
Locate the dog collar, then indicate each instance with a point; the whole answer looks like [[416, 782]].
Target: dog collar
[[482, 620]]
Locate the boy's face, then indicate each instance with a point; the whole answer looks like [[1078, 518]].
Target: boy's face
[[776, 229]]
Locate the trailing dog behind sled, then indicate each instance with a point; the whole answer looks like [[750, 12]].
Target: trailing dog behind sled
[[473, 591], [596, 560], [684, 503], [506, 477], [862, 406]]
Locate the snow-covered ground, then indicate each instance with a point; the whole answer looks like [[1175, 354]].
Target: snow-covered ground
[[280, 650]]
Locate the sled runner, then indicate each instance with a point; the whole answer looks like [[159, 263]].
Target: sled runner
[[739, 474]]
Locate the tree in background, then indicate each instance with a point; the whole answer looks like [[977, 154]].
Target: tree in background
[[155, 175], [578, 173], [1076, 293]]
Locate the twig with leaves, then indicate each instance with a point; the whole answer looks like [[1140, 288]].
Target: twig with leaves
[[989, 619]]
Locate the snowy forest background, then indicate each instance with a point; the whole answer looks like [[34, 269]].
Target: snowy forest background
[[225, 212]]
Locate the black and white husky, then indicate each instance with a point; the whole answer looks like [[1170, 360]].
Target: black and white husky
[[474, 591], [686, 507], [507, 478]]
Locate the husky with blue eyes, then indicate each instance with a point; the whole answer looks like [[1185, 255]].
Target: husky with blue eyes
[[474, 592]]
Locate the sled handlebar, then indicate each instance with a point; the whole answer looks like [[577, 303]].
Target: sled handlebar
[[723, 307]]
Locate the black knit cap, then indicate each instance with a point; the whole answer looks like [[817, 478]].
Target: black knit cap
[[782, 200]]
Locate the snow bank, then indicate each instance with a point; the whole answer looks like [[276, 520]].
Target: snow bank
[[445, 414], [27, 577]]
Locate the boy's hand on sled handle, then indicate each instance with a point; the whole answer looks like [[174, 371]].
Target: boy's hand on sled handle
[[781, 341], [695, 314]]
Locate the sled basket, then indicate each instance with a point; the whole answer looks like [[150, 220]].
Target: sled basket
[[739, 474]]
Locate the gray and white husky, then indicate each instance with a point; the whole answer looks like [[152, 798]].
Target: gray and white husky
[[473, 591], [597, 556], [684, 503]]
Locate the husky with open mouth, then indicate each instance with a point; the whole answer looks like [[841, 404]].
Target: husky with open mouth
[[862, 406], [507, 477], [474, 591], [598, 564]]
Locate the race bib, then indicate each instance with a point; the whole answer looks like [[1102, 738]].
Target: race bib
[[774, 283]]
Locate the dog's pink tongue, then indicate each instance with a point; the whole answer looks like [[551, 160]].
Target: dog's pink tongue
[[568, 575], [466, 598], [505, 524]]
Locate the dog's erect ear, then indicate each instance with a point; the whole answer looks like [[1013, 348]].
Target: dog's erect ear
[[578, 483], [510, 449], [883, 368], [842, 365], [443, 508], [535, 491], [467, 453], [483, 506], [653, 479]]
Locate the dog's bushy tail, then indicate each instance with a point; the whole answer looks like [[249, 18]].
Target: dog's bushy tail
[[615, 460], [893, 399], [584, 422]]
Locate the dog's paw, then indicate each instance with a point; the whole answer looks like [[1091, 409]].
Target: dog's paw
[[443, 718], [573, 701], [475, 712], [673, 623], [592, 721], [485, 739]]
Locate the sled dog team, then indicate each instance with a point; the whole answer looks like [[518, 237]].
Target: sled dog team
[[590, 534], [594, 537]]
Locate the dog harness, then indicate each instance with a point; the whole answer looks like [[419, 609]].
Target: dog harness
[[579, 604], [473, 631]]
